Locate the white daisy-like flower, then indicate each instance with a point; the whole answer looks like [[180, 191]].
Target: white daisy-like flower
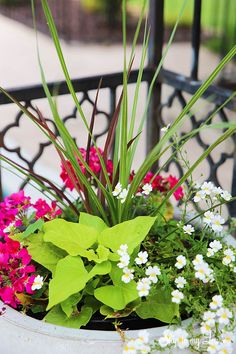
[[144, 335], [228, 337], [117, 190], [129, 347], [181, 338], [124, 261], [165, 129], [143, 287], [180, 282], [142, 258], [152, 272], [226, 195], [208, 217], [217, 191], [225, 348], [180, 262], [209, 318], [229, 256], [188, 229], [204, 272], [210, 252], [207, 188], [213, 346], [146, 189], [216, 302], [123, 194], [217, 222], [177, 296], [224, 315], [205, 328], [123, 250], [38, 283], [215, 246], [198, 260], [167, 338], [200, 195], [127, 275]]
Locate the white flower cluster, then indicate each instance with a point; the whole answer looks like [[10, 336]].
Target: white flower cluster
[[209, 190], [188, 229], [124, 263], [138, 345], [144, 284], [177, 295], [218, 317], [215, 221], [229, 256], [120, 192], [202, 269], [213, 248], [177, 338]]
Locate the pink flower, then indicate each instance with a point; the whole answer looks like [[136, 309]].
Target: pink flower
[[70, 179], [44, 210]]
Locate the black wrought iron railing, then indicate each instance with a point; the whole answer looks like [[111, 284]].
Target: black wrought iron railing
[[180, 88]]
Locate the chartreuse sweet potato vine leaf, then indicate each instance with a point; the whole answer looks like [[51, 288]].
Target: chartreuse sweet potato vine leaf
[[58, 317], [92, 221], [117, 296], [159, 306], [45, 253], [69, 305], [70, 278], [71, 237], [131, 232]]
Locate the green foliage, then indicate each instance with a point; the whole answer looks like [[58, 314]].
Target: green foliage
[[58, 317], [158, 305], [117, 296], [70, 278]]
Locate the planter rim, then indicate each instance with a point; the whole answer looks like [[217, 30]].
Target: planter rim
[[31, 324]]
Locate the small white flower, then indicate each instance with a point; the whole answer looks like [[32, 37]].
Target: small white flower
[[127, 275], [215, 245], [234, 269], [216, 302], [213, 345], [123, 194], [147, 188], [142, 258], [143, 287], [129, 347], [188, 229], [180, 282], [200, 195], [123, 250], [143, 335], [229, 257], [226, 195], [205, 328], [181, 262], [228, 337], [225, 348], [198, 260], [117, 190], [181, 338], [204, 272], [208, 217], [9, 228], [165, 129], [177, 296], [217, 222], [207, 188], [210, 252], [124, 261], [209, 318], [152, 272], [145, 349], [167, 338], [224, 315], [38, 283]]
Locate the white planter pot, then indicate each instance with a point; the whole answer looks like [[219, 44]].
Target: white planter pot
[[20, 334]]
